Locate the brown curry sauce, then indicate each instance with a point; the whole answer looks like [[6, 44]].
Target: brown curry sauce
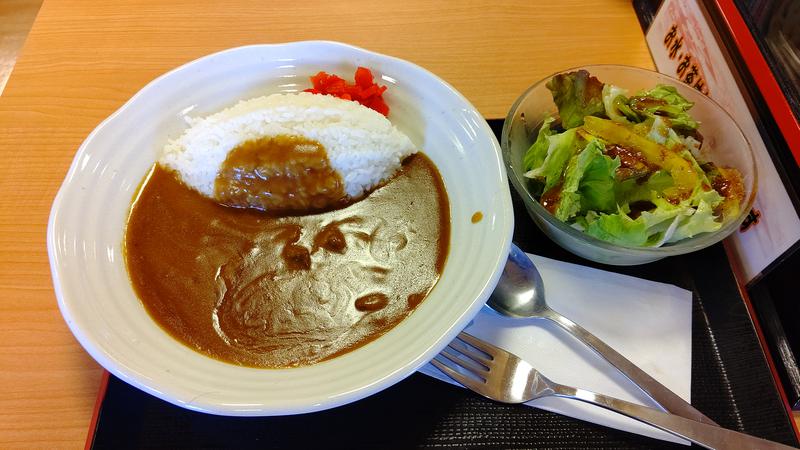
[[271, 291]]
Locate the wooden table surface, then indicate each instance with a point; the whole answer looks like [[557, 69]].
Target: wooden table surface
[[85, 58]]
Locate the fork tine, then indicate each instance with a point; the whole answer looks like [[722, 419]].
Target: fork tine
[[468, 363], [483, 346], [462, 348], [471, 383]]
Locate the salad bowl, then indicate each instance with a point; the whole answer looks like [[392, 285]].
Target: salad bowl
[[722, 145]]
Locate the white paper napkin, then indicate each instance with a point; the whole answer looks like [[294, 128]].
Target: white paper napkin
[[649, 323]]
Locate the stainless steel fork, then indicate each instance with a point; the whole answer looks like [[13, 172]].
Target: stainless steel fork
[[504, 377]]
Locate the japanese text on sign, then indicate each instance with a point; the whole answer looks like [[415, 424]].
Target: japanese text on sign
[[688, 70]]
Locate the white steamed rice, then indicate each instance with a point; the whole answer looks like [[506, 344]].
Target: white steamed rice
[[362, 145]]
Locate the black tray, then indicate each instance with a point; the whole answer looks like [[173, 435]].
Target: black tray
[[731, 383]]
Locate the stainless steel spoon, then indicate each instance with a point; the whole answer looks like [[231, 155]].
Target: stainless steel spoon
[[520, 294]]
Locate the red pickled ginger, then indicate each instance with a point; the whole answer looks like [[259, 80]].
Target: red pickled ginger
[[364, 90]]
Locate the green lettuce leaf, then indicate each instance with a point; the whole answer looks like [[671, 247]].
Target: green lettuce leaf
[[670, 95], [535, 155], [617, 228], [623, 105], [587, 172], [660, 130], [702, 221], [577, 95], [668, 223], [665, 101], [560, 149], [614, 101], [634, 190], [598, 182], [664, 223], [661, 221]]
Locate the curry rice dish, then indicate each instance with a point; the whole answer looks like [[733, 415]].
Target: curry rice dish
[[318, 231]]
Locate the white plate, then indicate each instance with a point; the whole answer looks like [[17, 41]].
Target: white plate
[[85, 232]]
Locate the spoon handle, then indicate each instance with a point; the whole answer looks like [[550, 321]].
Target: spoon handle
[[668, 400]]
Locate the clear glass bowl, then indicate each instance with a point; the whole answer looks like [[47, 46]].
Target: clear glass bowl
[[724, 144]]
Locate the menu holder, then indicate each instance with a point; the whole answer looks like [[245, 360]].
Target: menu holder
[[743, 54]]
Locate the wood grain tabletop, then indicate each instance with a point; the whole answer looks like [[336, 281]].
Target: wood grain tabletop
[[84, 58]]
